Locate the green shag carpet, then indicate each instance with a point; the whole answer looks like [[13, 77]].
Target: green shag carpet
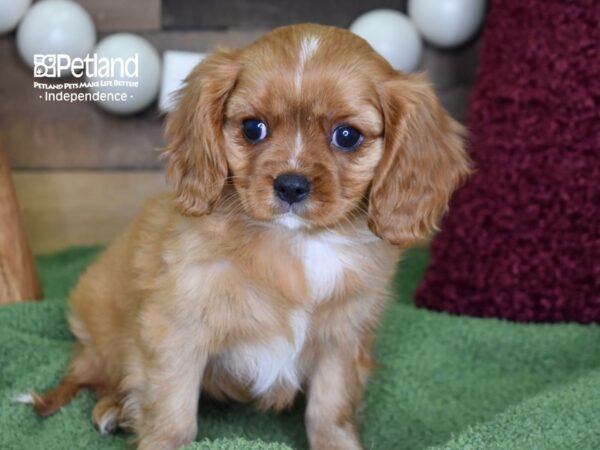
[[444, 382]]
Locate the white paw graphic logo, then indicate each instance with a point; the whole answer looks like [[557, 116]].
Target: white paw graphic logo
[[44, 66]]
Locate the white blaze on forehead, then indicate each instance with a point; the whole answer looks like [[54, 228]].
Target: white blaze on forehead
[[298, 144], [308, 47]]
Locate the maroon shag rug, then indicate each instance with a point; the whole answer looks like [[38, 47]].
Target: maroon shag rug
[[522, 238]]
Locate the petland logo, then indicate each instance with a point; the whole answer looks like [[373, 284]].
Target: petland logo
[[58, 65]]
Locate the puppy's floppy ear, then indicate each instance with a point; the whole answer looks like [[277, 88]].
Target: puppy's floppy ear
[[423, 162], [197, 167]]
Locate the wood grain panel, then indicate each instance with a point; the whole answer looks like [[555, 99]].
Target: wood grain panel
[[124, 15], [64, 208], [42, 135], [456, 101], [187, 14], [202, 41], [451, 68]]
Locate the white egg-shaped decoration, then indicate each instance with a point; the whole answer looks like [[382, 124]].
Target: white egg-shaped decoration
[[392, 35], [133, 77], [55, 27], [11, 11], [447, 23]]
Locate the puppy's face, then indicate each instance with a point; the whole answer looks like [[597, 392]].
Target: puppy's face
[[310, 125], [303, 130]]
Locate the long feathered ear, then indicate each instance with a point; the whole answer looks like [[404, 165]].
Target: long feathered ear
[[197, 166], [423, 162]]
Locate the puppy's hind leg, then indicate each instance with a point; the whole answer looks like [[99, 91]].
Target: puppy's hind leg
[[49, 402], [82, 373]]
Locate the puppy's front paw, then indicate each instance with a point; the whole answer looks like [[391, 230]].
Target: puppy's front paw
[[106, 415], [167, 435], [335, 438], [167, 441]]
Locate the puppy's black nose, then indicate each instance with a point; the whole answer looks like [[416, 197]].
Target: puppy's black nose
[[291, 188]]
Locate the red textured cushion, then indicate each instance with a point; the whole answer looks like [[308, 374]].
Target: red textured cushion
[[522, 239]]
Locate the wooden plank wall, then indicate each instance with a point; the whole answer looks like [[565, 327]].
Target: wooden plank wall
[[247, 14], [67, 157], [81, 207]]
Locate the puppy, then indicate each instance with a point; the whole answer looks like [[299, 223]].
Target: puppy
[[301, 166]]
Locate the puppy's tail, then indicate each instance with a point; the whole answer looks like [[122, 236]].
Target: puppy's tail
[[48, 403]]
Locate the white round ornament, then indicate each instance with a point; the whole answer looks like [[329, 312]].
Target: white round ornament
[[11, 11], [135, 76], [392, 35], [447, 23], [55, 27]]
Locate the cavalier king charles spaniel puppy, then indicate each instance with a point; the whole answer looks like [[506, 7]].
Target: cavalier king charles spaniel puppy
[[302, 165]]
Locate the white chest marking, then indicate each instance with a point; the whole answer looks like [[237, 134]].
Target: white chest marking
[[291, 221], [324, 263], [262, 366]]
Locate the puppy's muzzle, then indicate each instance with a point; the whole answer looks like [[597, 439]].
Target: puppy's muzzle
[[291, 187]]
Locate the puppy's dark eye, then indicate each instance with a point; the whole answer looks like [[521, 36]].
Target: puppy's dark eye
[[346, 138], [254, 130]]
